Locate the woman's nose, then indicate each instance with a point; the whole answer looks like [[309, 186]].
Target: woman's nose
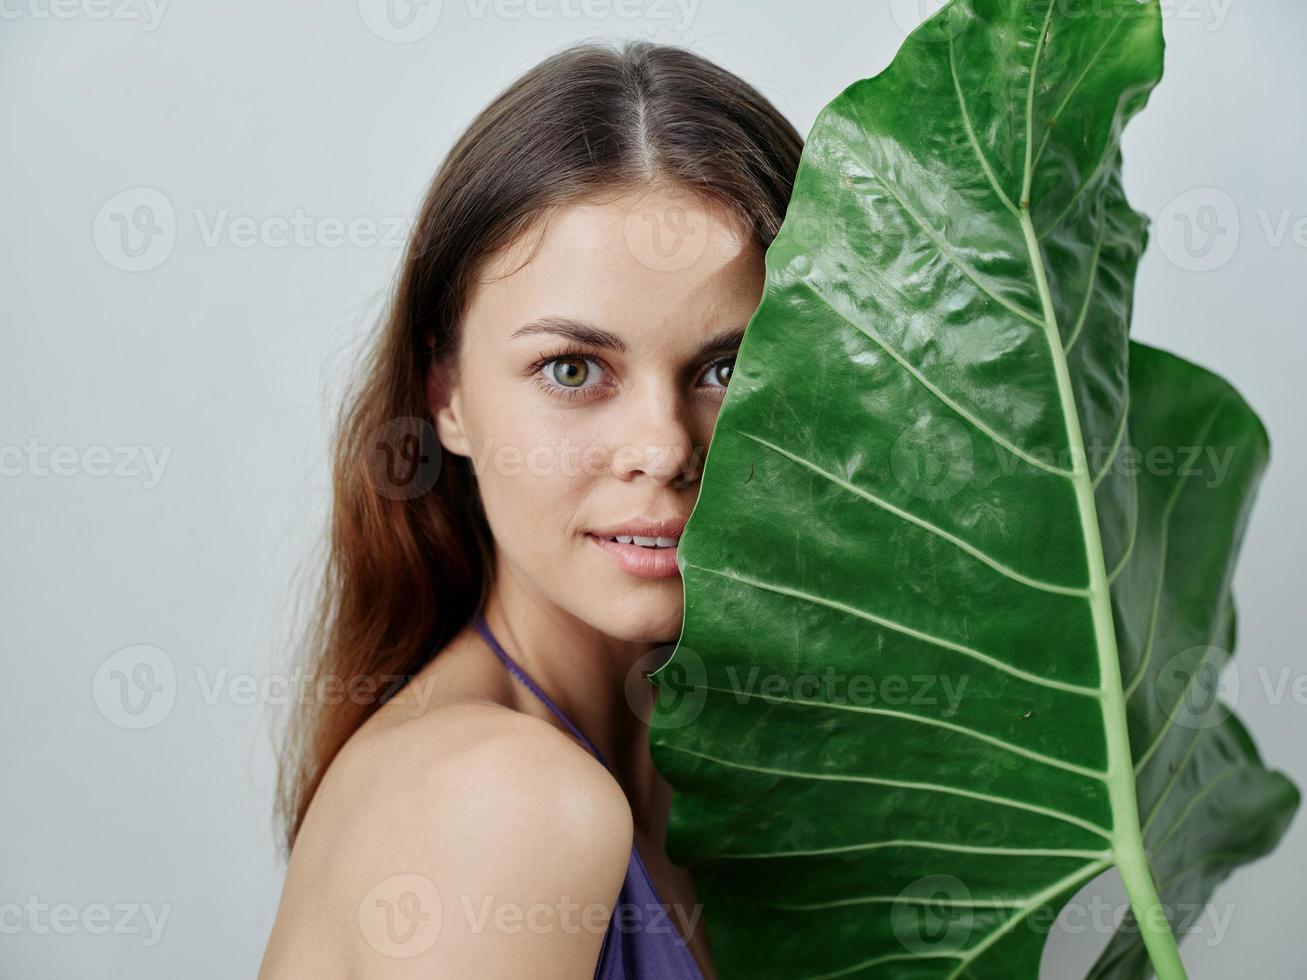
[[657, 441]]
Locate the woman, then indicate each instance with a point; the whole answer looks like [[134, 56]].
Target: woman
[[564, 325]]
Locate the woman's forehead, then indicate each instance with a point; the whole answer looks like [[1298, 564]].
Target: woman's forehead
[[612, 263]]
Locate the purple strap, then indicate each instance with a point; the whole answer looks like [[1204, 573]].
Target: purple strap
[[521, 675], [632, 955]]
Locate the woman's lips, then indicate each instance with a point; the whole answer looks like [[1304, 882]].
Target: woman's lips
[[640, 560]]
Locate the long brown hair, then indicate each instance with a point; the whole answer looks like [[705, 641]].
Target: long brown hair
[[407, 563]]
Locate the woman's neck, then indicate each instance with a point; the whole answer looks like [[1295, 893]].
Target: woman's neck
[[595, 680]]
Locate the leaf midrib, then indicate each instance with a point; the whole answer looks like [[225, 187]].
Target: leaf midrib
[[1127, 839]]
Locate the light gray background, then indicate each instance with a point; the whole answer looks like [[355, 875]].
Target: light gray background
[[225, 350]]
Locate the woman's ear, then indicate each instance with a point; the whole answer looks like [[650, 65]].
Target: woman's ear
[[444, 400]]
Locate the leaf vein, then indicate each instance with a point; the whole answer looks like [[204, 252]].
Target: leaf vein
[[1163, 545], [1095, 263], [939, 532], [1031, 754], [1072, 90], [1001, 801], [946, 250], [1088, 871], [903, 628], [1046, 852], [971, 131], [934, 389]]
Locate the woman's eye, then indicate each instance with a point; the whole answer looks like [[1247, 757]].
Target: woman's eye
[[573, 371], [569, 372], [719, 373]]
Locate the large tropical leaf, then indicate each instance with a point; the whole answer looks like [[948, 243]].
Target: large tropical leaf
[[953, 613]]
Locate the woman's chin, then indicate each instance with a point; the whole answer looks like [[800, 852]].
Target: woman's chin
[[654, 616]]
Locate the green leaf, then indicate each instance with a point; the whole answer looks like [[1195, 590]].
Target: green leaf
[[953, 615]]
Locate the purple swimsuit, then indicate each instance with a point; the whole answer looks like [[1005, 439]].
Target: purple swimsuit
[[642, 941]]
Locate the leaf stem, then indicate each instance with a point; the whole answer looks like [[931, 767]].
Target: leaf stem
[[1127, 840]]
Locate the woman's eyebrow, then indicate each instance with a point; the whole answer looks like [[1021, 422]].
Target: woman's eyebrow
[[592, 336], [726, 340], [577, 330]]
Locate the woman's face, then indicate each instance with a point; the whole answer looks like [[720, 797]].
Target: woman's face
[[586, 389]]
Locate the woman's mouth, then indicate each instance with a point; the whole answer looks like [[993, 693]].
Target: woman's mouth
[[652, 560], [645, 548], [644, 542]]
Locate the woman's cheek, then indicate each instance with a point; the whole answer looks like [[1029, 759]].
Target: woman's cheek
[[536, 477], [567, 447]]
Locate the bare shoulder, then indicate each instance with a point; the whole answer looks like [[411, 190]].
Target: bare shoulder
[[470, 839]]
